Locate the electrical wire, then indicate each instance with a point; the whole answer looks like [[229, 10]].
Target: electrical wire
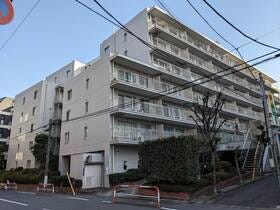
[[237, 29], [220, 35], [20, 24]]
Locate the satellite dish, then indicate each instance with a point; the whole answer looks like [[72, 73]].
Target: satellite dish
[[6, 12]]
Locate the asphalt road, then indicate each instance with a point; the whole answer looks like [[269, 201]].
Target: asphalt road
[[45, 201], [264, 193]]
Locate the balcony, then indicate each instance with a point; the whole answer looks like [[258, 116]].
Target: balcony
[[230, 141], [157, 112], [184, 37], [137, 135], [170, 48], [58, 99], [172, 69], [146, 85]]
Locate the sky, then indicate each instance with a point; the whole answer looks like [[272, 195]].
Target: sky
[[58, 32]]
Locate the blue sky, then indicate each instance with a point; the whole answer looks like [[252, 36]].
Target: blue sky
[[59, 31]]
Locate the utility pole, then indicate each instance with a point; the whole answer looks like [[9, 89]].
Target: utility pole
[[268, 128], [48, 153]]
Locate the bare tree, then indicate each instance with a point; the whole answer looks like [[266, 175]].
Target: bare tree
[[208, 122]]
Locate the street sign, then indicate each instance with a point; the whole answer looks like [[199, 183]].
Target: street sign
[[6, 12]]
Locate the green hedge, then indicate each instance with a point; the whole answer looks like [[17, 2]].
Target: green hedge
[[173, 160], [130, 175], [34, 176]]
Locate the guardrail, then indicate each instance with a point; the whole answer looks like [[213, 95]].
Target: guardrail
[[45, 187], [8, 186], [118, 194]]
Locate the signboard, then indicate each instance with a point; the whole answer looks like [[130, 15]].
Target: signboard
[[6, 12]]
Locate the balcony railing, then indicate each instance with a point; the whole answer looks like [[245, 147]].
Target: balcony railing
[[246, 111], [172, 69], [171, 112], [136, 135], [229, 138], [170, 48], [184, 36], [230, 107], [148, 83]]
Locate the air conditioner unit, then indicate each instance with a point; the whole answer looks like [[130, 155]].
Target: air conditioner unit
[[93, 157]]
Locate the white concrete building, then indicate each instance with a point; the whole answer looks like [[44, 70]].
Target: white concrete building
[[32, 111], [105, 110]]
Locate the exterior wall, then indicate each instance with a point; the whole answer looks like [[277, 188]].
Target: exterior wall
[[135, 49], [125, 155], [98, 96], [21, 134]]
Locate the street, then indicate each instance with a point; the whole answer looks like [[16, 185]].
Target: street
[[264, 193], [12, 200]]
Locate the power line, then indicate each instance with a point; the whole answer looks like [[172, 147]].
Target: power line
[[259, 37], [220, 35], [104, 111], [100, 112], [237, 29], [20, 24], [164, 6]]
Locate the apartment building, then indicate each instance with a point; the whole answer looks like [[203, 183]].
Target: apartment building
[[33, 108], [96, 141], [6, 108], [108, 106]]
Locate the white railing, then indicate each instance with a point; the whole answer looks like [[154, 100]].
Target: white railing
[[170, 48], [137, 135], [172, 69], [230, 107], [153, 85], [229, 138]]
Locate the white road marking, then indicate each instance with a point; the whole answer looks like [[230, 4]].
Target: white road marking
[[45, 209], [164, 208], [77, 198], [23, 192], [106, 201], [14, 202]]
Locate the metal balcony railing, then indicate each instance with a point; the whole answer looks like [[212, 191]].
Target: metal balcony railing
[[148, 83], [136, 135]]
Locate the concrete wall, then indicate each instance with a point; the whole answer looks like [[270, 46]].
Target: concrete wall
[[135, 49], [125, 153]]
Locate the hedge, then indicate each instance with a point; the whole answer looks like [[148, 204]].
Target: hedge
[[130, 175], [173, 160]]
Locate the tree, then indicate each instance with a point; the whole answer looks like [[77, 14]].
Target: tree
[[206, 118], [3, 149], [39, 150]]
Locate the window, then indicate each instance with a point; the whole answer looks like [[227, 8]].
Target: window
[[125, 52], [67, 137], [18, 147], [33, 110], [28, 164], [68, 114], [31, 127], [35, 94], [125, 37], [19, 130], [68, 73], [85, 132], [86, 107], [21, 117], [69, 95], [55, 79], [87, 83], [23, 101], [107, 50], [30, 145]]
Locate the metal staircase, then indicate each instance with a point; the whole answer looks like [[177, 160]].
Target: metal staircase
[[253, 158]]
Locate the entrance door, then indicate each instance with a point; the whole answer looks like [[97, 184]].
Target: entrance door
[[92, 176]]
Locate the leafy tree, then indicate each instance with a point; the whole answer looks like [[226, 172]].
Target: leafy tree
[[39, 150], [3, 149], [208, 123]]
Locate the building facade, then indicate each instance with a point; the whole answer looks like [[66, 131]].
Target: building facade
[[6, 108], [126, 96]]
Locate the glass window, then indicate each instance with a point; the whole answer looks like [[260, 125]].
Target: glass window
[[67, 138], [85, 132], [68, 73], [31, 127], [31, 145], [68, 115], [86, 107], [107, 50], [69, 95], [125, 37], [87, 83], [33, 111], [35, 94], [23, 100]]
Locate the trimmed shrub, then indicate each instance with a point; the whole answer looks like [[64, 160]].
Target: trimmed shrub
[[224, 166], [173, 160], [130, 175], [63, 181]]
